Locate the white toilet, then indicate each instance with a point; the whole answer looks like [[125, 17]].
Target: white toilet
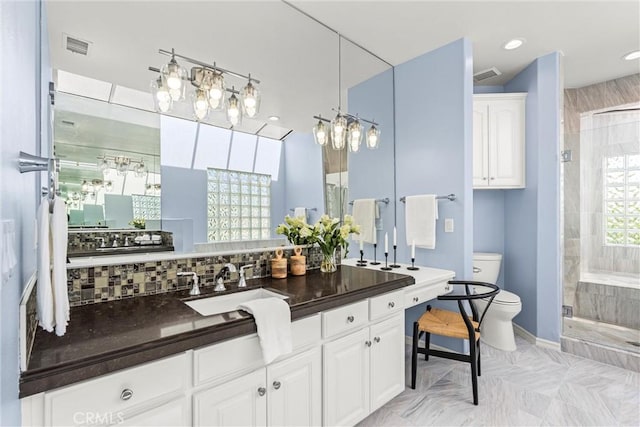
[[497, 326]]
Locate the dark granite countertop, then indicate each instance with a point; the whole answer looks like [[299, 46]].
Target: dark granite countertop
[[105, 337]]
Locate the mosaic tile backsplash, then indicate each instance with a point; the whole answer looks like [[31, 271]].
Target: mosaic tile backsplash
[[88, 241], [107, 283]]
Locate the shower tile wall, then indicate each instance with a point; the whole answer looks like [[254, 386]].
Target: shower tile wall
[[624, 90]]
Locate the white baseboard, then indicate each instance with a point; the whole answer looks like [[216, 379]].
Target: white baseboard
[[541, 342]]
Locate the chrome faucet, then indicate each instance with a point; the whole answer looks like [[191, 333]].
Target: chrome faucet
[[195, 289], [115, 241], [126, 241], [101, 239], [220, 276], [242, 283]]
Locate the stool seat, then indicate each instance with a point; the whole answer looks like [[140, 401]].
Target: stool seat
[[446, 323]]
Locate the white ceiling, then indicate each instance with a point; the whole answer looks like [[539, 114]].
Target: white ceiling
[[296, 58]]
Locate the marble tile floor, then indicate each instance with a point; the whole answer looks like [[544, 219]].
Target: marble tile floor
[[614, 336], [531, 386]]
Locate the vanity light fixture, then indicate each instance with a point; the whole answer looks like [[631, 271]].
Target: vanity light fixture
[[346, 130], [513, 44], [122, 164], [632, 55], [210, 90], [338, 131]]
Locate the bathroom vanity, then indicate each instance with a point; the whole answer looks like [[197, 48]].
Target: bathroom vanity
[[153, 360]]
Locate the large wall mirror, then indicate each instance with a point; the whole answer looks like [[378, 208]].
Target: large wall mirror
[[304, 69]]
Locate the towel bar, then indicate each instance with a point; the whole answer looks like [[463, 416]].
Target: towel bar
[[385, 201], [450, 197]]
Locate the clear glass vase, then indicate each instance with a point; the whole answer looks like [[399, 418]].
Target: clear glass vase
[[328, 263]]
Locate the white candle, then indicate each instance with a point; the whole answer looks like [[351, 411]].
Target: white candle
[[361, 245], [386, 243], [413, 249], [395, 237]]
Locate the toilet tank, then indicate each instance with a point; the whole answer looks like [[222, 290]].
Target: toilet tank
[[486, 266]]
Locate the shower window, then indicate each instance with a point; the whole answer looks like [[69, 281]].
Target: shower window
[[622, 200], [238, 205]]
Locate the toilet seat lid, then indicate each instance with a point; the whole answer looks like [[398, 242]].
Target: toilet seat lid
[[506, 297]]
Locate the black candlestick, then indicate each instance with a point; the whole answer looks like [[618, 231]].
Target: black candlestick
[[395, 264], [386, 268], [361, 262], [413, 266], [374, 262]]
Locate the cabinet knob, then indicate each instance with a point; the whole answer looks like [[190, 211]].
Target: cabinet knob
[[377, 339], [262, 391], [350, 319], [126, 394], [415, 299], [492, 178], [367, 343], [484, 178], [276, 384], [392, 304]]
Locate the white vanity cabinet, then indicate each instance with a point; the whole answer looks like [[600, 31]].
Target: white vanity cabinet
[[363, 370], [499, 140]]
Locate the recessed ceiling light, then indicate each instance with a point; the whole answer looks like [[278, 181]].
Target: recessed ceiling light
[[632, 55], [513, 44], [274, 118]]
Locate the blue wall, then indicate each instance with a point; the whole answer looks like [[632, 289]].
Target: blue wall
[[371, 171], [488, 224], [20, 114], [434, 102], [532, 246], [303, 177], [177, 203]]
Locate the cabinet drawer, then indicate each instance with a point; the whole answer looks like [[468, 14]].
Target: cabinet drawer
[[306, 331], [386, 304], [425, 293], [109, 396], [345, 318]]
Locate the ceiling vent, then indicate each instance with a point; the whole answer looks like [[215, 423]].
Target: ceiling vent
[[486, 74], [76, 45]]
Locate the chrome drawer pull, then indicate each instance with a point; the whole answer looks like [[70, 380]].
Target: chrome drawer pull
[[367, 343], [126, 394], [262, 391], [350, 319], [377, 339], [276, 384], [392, 304], [415, 299]]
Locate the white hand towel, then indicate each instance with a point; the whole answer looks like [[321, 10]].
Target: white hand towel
[[364, 215], [273, 318], [421, 214], [300, 211], [59, 237], [44, 292]]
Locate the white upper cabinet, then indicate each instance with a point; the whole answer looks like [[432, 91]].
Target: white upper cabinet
[[499, 140]]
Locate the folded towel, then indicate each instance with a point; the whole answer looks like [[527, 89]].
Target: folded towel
[[44, 292], [59, 241], [421, 214], [364, 215], [300, 211], [273, 318]]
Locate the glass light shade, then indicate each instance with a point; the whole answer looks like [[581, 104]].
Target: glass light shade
[[321, 133], [201, 103], [108, 186], [140, 170], [338, 132], [217, 92], [373, 138], [85, 186], [250, 99], [161, 96], [354, 136], [103, 166], [234, 113], [97, 184], [174, 75], [122, 165]]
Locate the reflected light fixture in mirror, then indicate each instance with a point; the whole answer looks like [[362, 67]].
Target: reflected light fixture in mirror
[[338, 132], [210, 90], [321, 133], [355, 136], [373, 137]]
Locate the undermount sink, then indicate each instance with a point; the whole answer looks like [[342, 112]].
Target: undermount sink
[[230, 302]]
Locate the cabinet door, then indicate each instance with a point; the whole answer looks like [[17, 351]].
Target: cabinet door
[[295, 390], [241, 402], [506, 143], [346, 379], [480, 144], [176, 413], [387, 360]]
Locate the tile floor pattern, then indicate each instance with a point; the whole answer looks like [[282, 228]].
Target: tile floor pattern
[[532, 386]]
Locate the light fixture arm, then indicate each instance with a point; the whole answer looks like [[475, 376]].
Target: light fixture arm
[[371, 122], [205, 65]]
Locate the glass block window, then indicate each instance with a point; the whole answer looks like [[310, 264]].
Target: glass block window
[[147, 207], [238, 205], [622, 200]]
